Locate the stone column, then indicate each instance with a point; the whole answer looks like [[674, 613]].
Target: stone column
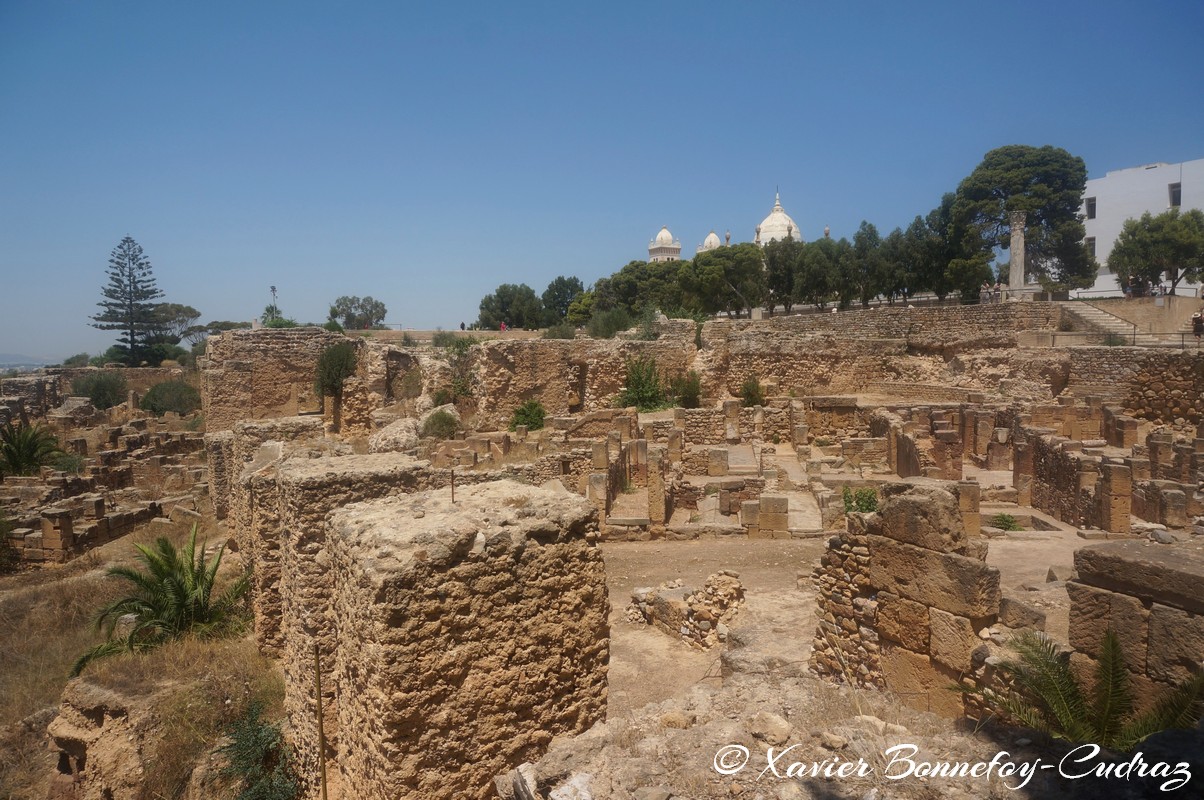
[[1016, 273]]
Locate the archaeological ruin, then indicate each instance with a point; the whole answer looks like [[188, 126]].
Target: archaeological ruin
[[932, 481]]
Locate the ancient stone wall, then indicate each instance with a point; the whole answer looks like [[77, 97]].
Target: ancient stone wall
[[261, 374], [902, 594], [468, 636], [932, 327], [1150, 597], [38, 394], [137, 379], [567, 376], [1074, 481]]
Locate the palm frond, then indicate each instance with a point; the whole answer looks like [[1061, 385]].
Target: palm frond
[[1111, 699], [1180, 707]]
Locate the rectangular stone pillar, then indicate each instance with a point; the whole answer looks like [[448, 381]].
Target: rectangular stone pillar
[[658, 505], [1115, 496]]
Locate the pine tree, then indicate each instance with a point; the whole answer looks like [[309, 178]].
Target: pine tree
[[128, 305]]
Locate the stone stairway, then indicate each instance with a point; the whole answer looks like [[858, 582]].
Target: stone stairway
[[1095, 319]]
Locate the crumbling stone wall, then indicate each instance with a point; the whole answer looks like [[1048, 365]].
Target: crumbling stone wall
[[1150, 597], [566, 376], [902, 594], [261, 374], [1150, 383], [1074, 481], [37, 393], [468, 636]]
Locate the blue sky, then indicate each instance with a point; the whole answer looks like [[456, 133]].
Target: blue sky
[[423, 154]]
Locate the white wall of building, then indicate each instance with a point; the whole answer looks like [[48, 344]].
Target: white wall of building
[[1125, 194]]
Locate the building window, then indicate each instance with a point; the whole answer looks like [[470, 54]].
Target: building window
[[1091, 245], [1090, 208], [1176, 192]]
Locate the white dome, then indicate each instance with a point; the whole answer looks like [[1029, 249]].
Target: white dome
[[778, 225], [664, 237], [710, 243]]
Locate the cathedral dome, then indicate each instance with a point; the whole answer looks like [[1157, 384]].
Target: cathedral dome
[[664, 247], [664, 237], [778, 225]]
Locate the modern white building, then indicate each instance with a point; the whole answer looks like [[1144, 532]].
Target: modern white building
[[1125, 194]]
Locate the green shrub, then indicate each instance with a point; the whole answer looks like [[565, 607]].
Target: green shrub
[[647, 326], [751, 393], [561, 331], [605, 324], [104, 389], [1005, 522], [175, 396], [77, 360], [530, 413], [71, 463], [280, 322], [171, 597], [822, 441], [333, 325], [258, 757], [411, 384], [443, 396], [441, 425], [1115, 339], [408, 341], [25, 449], [442, 338], [336, 364], [863, 500], [643, 386], [686, 389]]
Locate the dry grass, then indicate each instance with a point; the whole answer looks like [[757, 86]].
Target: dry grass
[[201, 687], [47, 620]]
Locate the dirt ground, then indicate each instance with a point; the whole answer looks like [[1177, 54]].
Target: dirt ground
[[646, 666]]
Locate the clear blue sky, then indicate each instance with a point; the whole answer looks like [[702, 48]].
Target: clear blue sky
[[423, 154]]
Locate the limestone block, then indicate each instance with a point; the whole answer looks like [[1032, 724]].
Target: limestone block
[[396, 437], [1171, 575], [750, 512], [774, 522], [919, 683], [953, 639], [1016, 613], [717, 461], [1093, 612], [1176, 644], [948, 581], [926, 516], [774, 504], [903, 621]]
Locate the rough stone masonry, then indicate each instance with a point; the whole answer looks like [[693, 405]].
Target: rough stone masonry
[[469, 635]]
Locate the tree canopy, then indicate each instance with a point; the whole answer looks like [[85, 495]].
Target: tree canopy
[[559, 296], [1046, 183], [516, 305], [357, 313], [1170, 244], [127, 305]]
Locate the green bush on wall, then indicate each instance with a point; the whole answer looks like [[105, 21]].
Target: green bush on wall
[[104, 389], [531, 414], [175, 396]]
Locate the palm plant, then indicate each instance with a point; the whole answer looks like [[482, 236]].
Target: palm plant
[[25, 448], [1047, 696], [172, 596]]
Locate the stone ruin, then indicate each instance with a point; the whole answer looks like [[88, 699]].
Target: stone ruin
[[699, 617], [430, 623]]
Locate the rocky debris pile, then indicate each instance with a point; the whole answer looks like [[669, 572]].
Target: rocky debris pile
[[396, 437], [699, 616]]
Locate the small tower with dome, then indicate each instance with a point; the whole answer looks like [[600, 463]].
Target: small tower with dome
[[709, 243], [664, 247], [778, 225]]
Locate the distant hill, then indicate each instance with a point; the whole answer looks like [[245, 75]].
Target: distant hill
[[10, 360]]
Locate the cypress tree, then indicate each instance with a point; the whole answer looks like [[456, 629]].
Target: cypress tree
[[128, 305]]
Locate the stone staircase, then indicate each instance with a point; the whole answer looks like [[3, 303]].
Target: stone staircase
[[1094, 319]]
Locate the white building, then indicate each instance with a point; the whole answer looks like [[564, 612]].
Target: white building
[[664, 247], [711, 242], [1125, 194], [778, 225]]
